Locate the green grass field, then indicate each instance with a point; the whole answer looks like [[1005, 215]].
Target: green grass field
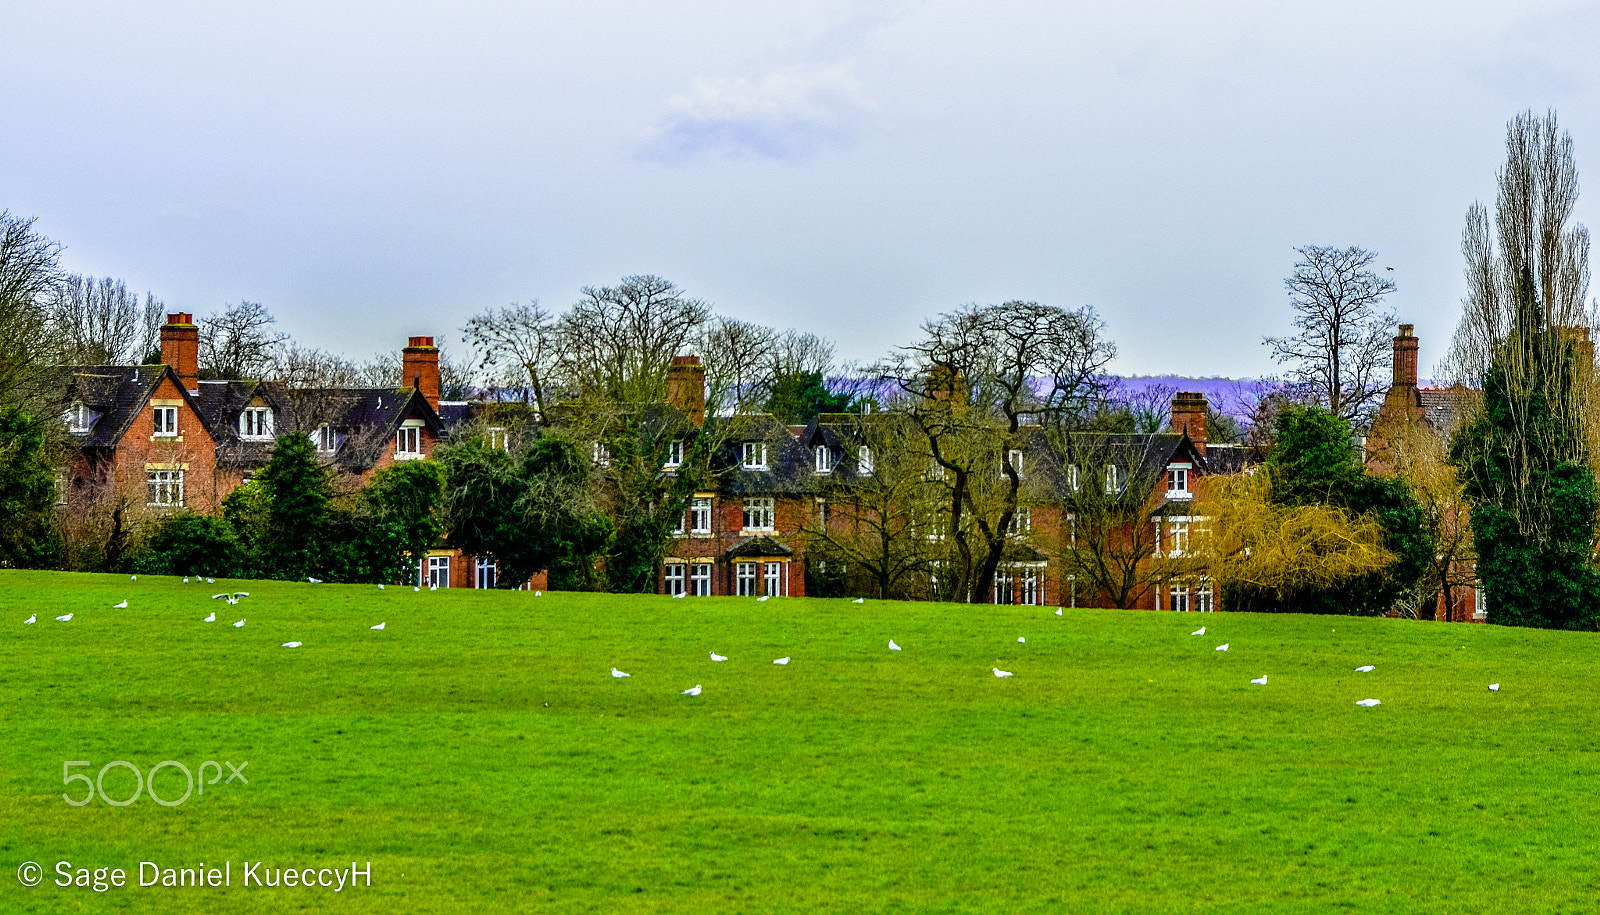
[[480, 755]]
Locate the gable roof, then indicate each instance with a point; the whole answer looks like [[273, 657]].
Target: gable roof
[[116, 394]]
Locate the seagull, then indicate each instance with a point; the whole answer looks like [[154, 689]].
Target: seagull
[[239, 625], [1022, 640], [680, 594], [782, 662], [380, 587], [239, 594], [1366, 669], [315, 581], [1493, 687], [415, 589], [717, 657], [1058, 611], [693, 690], [1200, 631], [1260, 681], [433, 587], [210, 619], [893, 646], [185, 579], [618, 674], [211, 581], [233, 600], [1369, 703], [218, 596], [1001, 673], [1223, 647], [538, 594], [121, 606], [30, 621], [291, 644], [763, 597], [859, 600], [133, 578], [64, 619], [380, 626]]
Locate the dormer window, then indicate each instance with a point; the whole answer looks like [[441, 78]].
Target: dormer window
[[754, 456], [1014, 458], [327, 441], [255, 423], [78, 417], [824, 459], [674, 453], [1113, 479], [1178, 482], [864, 461]]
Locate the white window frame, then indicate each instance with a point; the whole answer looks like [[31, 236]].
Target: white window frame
[[164, 487], [700, 515], [79, 419], [602, 455], [498, 437], [1021, 520], [1178, 537], [1014, 458], [485, 574], [760, 510], [753, 456], [824, 459], [326, 440], [746, 575], [1178, 482], [1072, 477], [773, 579], [1204, 596], [674, 453], [255, 423], [166, 421], [438, 571], [1113, 479], [1005, 585], [408, 435], [673, 574], [1029, 584], [700, 579], [1178, 599], [864, 461]]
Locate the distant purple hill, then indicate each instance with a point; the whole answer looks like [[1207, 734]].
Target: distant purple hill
[[1236, 397]]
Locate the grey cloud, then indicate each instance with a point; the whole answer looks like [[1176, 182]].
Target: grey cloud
[[792, 113]]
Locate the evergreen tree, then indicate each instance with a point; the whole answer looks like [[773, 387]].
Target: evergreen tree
[[294, 539], [27, 491]]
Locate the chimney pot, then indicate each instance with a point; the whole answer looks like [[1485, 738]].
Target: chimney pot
[[420, 363], [1189, 411], [1405, 357], [180, 349]]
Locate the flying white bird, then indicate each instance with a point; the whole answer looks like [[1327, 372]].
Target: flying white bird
[[30, 620], [1058, 611], [291, 644], [64, 619], [218, 596], [121, 606], [1369, 703], [693, 690], [1022, 640], [1001, 673], [763, 597], [1200, 631], [315, 581], [618, 674], [1260, 681], [1223, 647], [241, 594], [781, 662], [717, 657], [1366, 669], [680, 594], [239, 625], [380, 626], [859, 600], [893, 646], [210, 619], [1493, 687], [233, 600]]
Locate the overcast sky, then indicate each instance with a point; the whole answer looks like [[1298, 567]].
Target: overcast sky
[[373, 170]]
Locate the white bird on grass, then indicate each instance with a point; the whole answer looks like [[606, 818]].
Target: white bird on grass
[[185, 579], [30, 620], [717, 657], [893, 646], [680, 594], [1001, 673], [415, 589], [763, 597], [1366, 669], [64, 619], [781, 662], [618, 674], [538, 594], [133, 578], [1493, 687], [380, 626], [693, 690], [859, 600], [1200, 631], [315, 581], [239, 625], [210, 619], [291, 644], [1223, 647], [121, 606], [380, 587], [1058, 611], [1260, 681], [1022, 640], [1369, 703], [211, 581]]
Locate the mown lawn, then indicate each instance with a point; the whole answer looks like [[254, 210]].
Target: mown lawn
[[480, 755]]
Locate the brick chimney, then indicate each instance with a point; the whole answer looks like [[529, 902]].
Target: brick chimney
[[1189, 410], [180, 349], [419, 363], [686, 387], [1405, 357]]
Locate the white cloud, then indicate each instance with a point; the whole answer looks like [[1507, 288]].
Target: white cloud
[[787, 114]]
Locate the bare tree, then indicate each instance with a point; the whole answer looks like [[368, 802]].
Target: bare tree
[[518, 348], [100, 322], [1341, 349], [29, 273], [239, 342], [739, 358], [620, 339]]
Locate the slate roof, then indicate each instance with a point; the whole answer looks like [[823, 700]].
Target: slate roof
[[760, 546], [114, 395], [789, 463], [1443, 407]]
